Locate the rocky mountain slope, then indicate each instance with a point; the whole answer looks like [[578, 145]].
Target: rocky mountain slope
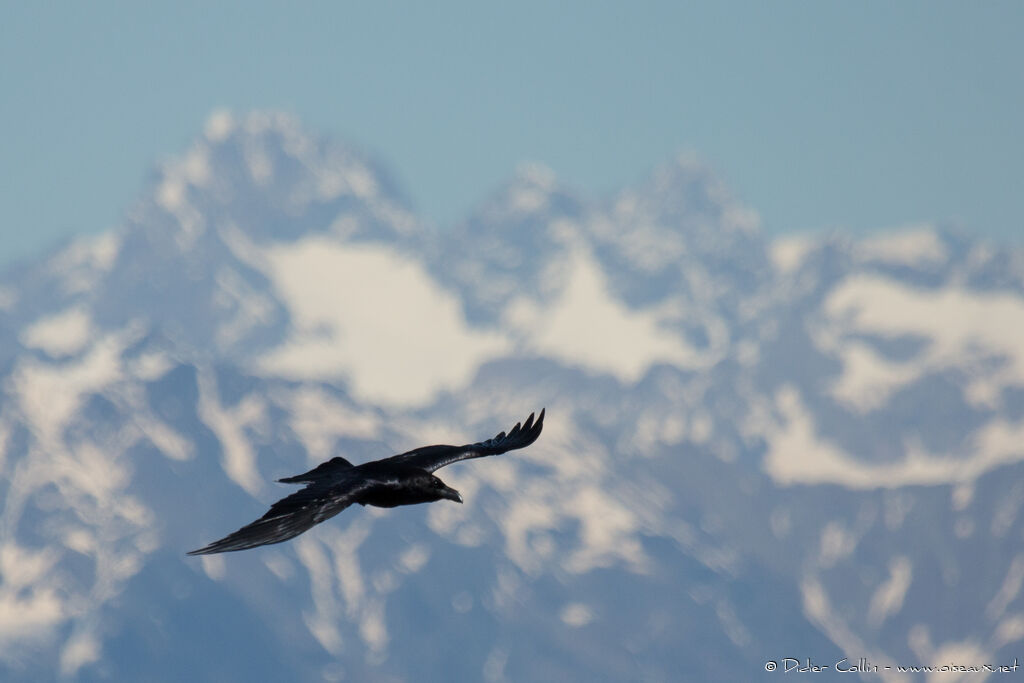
[[755, 449]]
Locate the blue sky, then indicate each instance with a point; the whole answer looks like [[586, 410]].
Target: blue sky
[[859, 116]]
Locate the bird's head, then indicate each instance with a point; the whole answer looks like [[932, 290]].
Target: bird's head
[[443, 490]]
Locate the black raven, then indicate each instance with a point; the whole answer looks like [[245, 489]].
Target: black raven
[[403, 479]]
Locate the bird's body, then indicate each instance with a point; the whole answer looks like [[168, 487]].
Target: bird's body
[[404, 479]]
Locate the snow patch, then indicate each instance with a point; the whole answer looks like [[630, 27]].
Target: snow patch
[[98, 474], [538, 174], [413, 559], [868, 379], [27, 615], [376, 318], [5, 434], [322, 622], [279, 566], [319, 419], [577, 614], [49, 394], [820, 611], [917, 246], [21, 567], [150, 366], [62, 334], [82, 648], [219, 125], [837, 542], [608, 532], [214, 566], [372, 628], [1009, 591], [251, 307], [230, 424], [345, 544], [345, 176], [81, 265], [194, 169], [167, 441], [788, 253], [8, 298], [585, 325], [963, 329], [532, 188], [798, 455], [648, 248], [527, 517], [257, 161], [888, 599], [409, 339]]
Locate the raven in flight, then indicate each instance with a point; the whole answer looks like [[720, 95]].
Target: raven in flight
[[404, 479]]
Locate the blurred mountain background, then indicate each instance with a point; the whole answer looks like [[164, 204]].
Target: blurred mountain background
[[756, 447], [783, 369]]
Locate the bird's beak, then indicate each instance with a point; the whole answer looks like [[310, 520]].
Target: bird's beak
[[452, 494]]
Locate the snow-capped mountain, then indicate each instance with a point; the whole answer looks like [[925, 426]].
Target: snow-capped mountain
[[755, 449]]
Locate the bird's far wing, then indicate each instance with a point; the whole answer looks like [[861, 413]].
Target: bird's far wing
[[323, 470], [431, 458], [290, 516]]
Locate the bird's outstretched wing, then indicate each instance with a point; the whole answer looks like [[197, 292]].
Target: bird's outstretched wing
[[290, 516], [431, 458]]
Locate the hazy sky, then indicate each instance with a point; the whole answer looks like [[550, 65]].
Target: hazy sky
[[852, 115]]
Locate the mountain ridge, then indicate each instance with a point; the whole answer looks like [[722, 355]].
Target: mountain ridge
[[797, 441]]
